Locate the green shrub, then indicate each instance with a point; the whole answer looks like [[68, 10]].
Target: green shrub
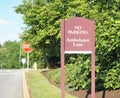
[[77, 76], [112, 78], [108, 78], [55, 75]]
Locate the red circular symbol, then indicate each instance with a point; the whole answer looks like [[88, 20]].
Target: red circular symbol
[[26, 47]]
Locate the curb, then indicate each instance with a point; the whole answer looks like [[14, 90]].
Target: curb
[[25, 87]]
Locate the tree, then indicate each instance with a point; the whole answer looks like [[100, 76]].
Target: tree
[[43, 31], [9, 54], [43, 17]]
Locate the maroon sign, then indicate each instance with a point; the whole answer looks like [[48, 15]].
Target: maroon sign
[[77, 37]]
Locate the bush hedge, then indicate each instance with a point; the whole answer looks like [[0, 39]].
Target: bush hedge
[[78, 75]]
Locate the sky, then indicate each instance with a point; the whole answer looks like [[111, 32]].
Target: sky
[[11, 23]]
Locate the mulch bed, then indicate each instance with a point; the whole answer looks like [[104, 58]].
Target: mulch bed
[[85, 94]]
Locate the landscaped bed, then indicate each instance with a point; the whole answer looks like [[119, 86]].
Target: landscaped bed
[[80, 93], [40, 87]]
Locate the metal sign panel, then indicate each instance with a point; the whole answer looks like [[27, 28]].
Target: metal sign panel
[[78, 35]]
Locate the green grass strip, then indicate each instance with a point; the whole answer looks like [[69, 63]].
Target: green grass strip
[[41, 88]]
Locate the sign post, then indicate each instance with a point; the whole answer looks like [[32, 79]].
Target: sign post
[[77, 38], [62, 60], [27, 49], [27, 60]]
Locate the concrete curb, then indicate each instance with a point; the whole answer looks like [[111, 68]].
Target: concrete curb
[[25, 87]]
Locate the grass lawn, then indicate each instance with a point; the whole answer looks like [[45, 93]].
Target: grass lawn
[[41, 88]]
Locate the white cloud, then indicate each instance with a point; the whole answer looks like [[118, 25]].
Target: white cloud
[[2, 22]]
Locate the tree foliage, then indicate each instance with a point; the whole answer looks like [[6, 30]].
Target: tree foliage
[[9, 55], [43, 17]]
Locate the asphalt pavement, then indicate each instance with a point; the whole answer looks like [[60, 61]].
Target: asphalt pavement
[[11, 85]]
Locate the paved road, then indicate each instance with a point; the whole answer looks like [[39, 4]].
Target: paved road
[[11, 84]]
